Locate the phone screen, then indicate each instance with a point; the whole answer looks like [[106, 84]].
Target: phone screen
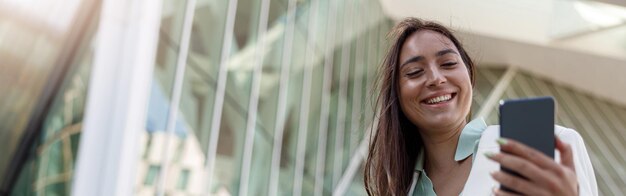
[[529, 121]]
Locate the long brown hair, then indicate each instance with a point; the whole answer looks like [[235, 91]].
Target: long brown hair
[[396, 141]]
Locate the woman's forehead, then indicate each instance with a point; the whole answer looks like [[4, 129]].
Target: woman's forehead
[[426, 43]]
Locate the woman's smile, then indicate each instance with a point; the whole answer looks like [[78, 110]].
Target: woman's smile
[[438, 100]]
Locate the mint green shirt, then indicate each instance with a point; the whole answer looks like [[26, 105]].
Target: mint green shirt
[[468, 144]]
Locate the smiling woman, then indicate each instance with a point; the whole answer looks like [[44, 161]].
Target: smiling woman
[[436, 87], [424, 143]]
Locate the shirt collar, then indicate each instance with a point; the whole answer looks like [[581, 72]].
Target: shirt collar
[[469, 138], [470, 135]]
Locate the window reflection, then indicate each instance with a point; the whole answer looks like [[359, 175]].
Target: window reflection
[[34, 48], [50, 164]]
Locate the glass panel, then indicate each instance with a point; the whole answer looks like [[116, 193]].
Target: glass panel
[[31, 43], [183, 178], [50, 164], [153, 174], [155, 138], [33, 49]]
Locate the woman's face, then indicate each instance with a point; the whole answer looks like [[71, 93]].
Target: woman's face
[[435, 86]]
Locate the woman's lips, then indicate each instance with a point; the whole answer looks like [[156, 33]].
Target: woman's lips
[[438, 100]]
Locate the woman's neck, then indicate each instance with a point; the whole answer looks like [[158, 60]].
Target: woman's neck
[[447, 175], [440, 148]]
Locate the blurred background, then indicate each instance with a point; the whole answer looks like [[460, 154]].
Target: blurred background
[[270, 97]]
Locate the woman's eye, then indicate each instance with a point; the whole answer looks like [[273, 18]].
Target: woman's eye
[[413, 72], [450, 64]]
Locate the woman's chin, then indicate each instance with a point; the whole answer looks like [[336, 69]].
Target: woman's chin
[[444, 120]]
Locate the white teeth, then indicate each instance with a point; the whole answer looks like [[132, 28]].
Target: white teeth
[[439, 99]]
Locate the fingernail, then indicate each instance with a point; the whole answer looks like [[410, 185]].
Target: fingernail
[[490, 154], [501, 141]]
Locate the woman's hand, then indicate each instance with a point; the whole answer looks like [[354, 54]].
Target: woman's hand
[[544, 175]]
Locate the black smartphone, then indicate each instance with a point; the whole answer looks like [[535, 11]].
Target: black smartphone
[[529, 121]]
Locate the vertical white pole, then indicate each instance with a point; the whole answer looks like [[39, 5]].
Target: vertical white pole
[[219, 93], [355, 122], [326, 94], [115, 112], [282, 98], [172, 116], [254, 99], [344, 71], [305, 101]]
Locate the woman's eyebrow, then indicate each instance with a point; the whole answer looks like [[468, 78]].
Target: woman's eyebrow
[[419, 58], [412, 59], [446, 51]]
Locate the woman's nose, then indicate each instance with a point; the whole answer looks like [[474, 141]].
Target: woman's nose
[[435, 77]]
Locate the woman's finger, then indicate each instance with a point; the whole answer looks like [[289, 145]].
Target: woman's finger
[[515, 183], [516, 148], [523, 167], [552, 176], [567, 156], [500, 192]]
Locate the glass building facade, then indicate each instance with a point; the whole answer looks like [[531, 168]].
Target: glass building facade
[[279, 108], [247, 97]]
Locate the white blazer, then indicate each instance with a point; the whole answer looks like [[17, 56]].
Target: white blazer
[[480, 182]]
